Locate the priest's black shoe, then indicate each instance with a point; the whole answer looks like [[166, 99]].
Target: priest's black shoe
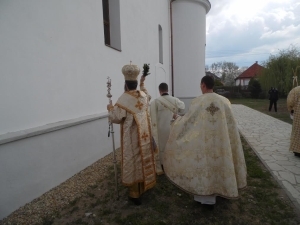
[[208, 207], [136, 201], [297, 154]]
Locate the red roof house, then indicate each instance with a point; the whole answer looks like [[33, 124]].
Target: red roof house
[[253, 71]]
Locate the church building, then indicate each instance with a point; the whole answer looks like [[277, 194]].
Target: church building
[[55, 57]]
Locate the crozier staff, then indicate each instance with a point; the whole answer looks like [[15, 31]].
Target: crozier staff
[[111, 131]]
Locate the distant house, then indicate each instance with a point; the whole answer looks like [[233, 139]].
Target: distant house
[[244, 78], [213, 75]]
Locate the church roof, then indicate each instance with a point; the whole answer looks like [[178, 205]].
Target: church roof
[[252, 71]]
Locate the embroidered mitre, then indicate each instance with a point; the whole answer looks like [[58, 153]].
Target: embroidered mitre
[[130, 72]]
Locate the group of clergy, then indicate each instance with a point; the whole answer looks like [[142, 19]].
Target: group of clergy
[[199, 151]]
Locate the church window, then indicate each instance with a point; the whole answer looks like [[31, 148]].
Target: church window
[[111, 23], [160, 42]]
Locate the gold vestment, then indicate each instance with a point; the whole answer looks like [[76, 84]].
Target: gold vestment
[[138, 169], [161, 111], [293, 103], [204, 154]]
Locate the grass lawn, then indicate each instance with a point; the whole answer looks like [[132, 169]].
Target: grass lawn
[[262, 105]]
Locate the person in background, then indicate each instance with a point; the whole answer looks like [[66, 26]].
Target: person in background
[[273, 97]]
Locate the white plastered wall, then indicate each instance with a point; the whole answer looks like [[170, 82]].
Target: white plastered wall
[[189, 35], [53, 66], [54, 63]]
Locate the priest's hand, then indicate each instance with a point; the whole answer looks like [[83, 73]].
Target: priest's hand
[[175, 116], [142, 79], [109, 107]]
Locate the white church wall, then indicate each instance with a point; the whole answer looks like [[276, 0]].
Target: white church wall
[[189, 24], [147, 43], [54, 62], [53, 66], [32, 166]]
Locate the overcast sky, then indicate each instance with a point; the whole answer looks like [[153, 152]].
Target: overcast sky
[[243, 32]]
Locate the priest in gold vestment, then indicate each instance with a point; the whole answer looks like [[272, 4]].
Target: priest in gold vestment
[[204, 154], [131, 112], [161, 111], [293, 104]]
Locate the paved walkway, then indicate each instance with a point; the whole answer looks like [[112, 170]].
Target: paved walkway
[[270, 139]]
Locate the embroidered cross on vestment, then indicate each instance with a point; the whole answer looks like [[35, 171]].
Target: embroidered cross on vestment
[[212, 109], [145, 136], [139, 105]]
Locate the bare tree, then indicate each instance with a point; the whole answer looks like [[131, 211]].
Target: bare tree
[[228, 71]]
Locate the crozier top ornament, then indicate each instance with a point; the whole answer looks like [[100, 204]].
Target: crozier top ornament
[[130, 71]]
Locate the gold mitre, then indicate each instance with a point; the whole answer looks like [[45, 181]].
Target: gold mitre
[[130, 71]]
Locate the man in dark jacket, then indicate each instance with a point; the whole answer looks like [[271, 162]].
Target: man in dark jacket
[[273, 92]]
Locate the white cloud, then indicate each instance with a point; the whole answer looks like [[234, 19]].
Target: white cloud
[[248, 31], [291, 31], [280, 15]]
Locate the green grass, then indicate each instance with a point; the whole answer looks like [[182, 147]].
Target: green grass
[[262, 105]]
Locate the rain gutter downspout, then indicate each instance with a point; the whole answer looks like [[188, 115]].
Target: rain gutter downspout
[[171, 31]]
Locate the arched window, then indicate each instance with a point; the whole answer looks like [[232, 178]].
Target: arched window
[[160, 42]]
